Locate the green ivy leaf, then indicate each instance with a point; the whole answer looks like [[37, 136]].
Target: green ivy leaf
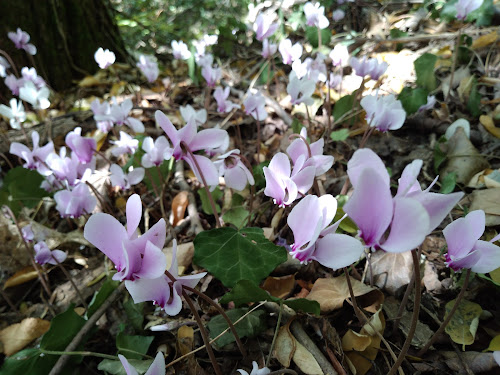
[[339, 135], [205, 203], [463, 325], [439, 154], [237, 216], [343, 105], [449, 182], [296, 126], [134, 313], [101, 295], [413, 99], [258, 174], [250, 326], [62, 330], [116, 367], [231, 255], [312, 36], [474, 103], [133, 346], [424, 68]]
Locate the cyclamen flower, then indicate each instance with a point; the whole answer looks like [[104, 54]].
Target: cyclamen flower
[[288, 52], [298, 149], [20, 39], [206, 60], [156, 152], [301, 90], [338, 15], [35, 157], [76, 202], [188, 113], [268, 49], [15, 113], [180, 50], [27, 232], [83, 147], [134, 257], [371, 67], [224, 105], [464, 7], [156, 368], [235, 172], [14, 84], [102, 115], [411, 214], [256, 370], [163, 291], [207, 139], [315, 15], [125, 145], [120, 115], [431, 102], [465, 249], [315, 238], [68, 169], [313, 69], [44, 255], [334, 80], [148, 67], [125, 181], [384, 113], [264, 26], [104, 58], [339, 55], [255, 105], [284, 184], [38, 98], [30, 74], [4, 65], [211, 75]]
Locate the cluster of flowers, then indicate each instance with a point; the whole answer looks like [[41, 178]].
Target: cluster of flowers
[[43, 255]]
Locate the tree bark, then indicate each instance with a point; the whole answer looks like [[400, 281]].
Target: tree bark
[[66, 33]]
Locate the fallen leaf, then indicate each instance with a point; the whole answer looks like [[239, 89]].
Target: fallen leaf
[[185, 252], [21, 277], [431, 278], [279, 287], [391, 271], [495, 276], [179, 206], [15, 337], [331, 293], [494, 344], [489, 125], [285, 346], [305, 361], [355, 341], [185, 339], [477, 362], [487, 200], [463, 324], [485, 40]]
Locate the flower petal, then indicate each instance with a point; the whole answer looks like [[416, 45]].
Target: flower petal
[[156, 290], [158, 365], [366, 158], [462, 234], [489, 257], [134, 214], [337, 251], [439, 205], [154, 263], [127, 366]]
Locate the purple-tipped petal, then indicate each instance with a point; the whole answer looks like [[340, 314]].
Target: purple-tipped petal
[[439, 205], [153, 264], [156, 290], [462, 234], [362, 159], [337, 251], [370, 206], [167, 126], [410, 225], [106, 233], [134, 214], [408, 182]]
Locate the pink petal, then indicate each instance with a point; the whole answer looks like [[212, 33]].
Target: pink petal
[[156, 290], [410, 225], [304, 179], [60, 256], [304, 221], [337, 251], [280, 165], [158, 365], [135, 124], [275, 187], [107, 234], [154, 263], [134, 214], [174, 305], [236, 178], [191, 280], [462, 234], [408, 181], [206, 166], [167, 126], [127, 366], [328, 207], [439, 205], [489, 257], [370, 206], [366, 158], [208, 139], [156, 235]]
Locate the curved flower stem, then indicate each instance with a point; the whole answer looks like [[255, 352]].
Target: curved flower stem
[[448, 317], [205, 186], [70, 279], [7, 56], [102, 200], [414, 318], [293, 136], [84, 353], [275, 334], [204, 334], [224, 315]]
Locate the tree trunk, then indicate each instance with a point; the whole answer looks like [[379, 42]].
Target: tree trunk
[[66, 33]]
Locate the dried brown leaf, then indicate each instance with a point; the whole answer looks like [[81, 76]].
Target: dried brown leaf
[[15, 337]]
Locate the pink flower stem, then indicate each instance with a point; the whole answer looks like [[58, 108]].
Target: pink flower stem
[[258, 141], [205, 186], [448, 317], [208, 90], [100, 198], [414, 318], [70, 279]]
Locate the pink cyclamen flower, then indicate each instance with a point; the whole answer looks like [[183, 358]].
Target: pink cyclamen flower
[[334, 80], [301, 90], [464, 7], [20, 39], [180, 50], [339, 55], [102, 115], [284, 184], [15, 113], [68, 169], [4, 65], [338, 15], [315, 15], [125, 145], [104, 58], [163, 291], [188, 113], [211, 75], [268, 49], [123, 180], [255, 105], [149, 67], [36, 157], [120, 115], [44, 255], [134, 257], [156, 368], [288, 52], [465, 249], [156, 152], [83, 147], [30, 74], [298, 149], [370, 67], [224, 105], [431, 102], [256, 370], [38, 98], [76, 202], [235, 172], [314, 235], [384, 113], [14, 84], [411, 214], [264, 26], [207, 139], [27, 232]]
